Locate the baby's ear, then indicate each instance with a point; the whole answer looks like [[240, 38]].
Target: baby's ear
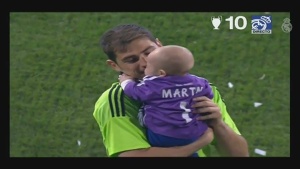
[[162, 73], [158, 42]]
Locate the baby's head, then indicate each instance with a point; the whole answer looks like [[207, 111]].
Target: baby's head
[[169, 60]]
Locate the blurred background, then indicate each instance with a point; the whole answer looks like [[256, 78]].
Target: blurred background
[[58, 71]]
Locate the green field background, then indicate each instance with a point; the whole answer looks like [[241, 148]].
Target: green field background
[[58, 71]]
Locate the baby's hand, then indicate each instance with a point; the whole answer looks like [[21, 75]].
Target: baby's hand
[[124, 77]]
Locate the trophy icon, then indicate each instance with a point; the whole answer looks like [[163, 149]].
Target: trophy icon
[[216, 22]]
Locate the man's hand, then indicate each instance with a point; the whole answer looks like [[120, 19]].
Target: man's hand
[[229, 143], [207, 137], [208, 110]]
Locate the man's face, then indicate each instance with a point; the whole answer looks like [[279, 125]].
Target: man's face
[[133, 61]]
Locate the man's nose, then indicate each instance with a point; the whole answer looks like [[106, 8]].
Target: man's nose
[[143, 61]]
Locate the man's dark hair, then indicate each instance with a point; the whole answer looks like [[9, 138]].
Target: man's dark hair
[[116, 39]]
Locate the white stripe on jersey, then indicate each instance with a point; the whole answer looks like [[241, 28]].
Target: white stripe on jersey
[[198, 77], [142, 82]]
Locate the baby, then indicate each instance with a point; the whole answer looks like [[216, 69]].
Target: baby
[[167, 92]]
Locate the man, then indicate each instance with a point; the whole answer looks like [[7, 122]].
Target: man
[[117, 115]]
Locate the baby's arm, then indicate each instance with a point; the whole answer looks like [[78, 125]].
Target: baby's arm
[[136, 90], [123, 77]]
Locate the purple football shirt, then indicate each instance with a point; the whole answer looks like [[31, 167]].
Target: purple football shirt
[[167, 103]]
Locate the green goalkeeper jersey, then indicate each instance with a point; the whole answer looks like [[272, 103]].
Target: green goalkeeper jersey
[[118, 118]]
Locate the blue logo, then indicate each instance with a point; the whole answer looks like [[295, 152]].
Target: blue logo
[[261, 25]]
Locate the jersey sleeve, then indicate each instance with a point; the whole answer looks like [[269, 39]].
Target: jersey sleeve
[[138, 90], [208, 90], [119, 129]]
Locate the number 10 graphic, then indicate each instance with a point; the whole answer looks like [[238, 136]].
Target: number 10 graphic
[[236, 22]]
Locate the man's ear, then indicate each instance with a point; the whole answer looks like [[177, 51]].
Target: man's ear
[[158, 42], [113, 65]]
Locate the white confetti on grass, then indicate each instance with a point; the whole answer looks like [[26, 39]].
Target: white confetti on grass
[[230, 85], [262, 77], [257, 104], [78, 142], [260, 152]]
